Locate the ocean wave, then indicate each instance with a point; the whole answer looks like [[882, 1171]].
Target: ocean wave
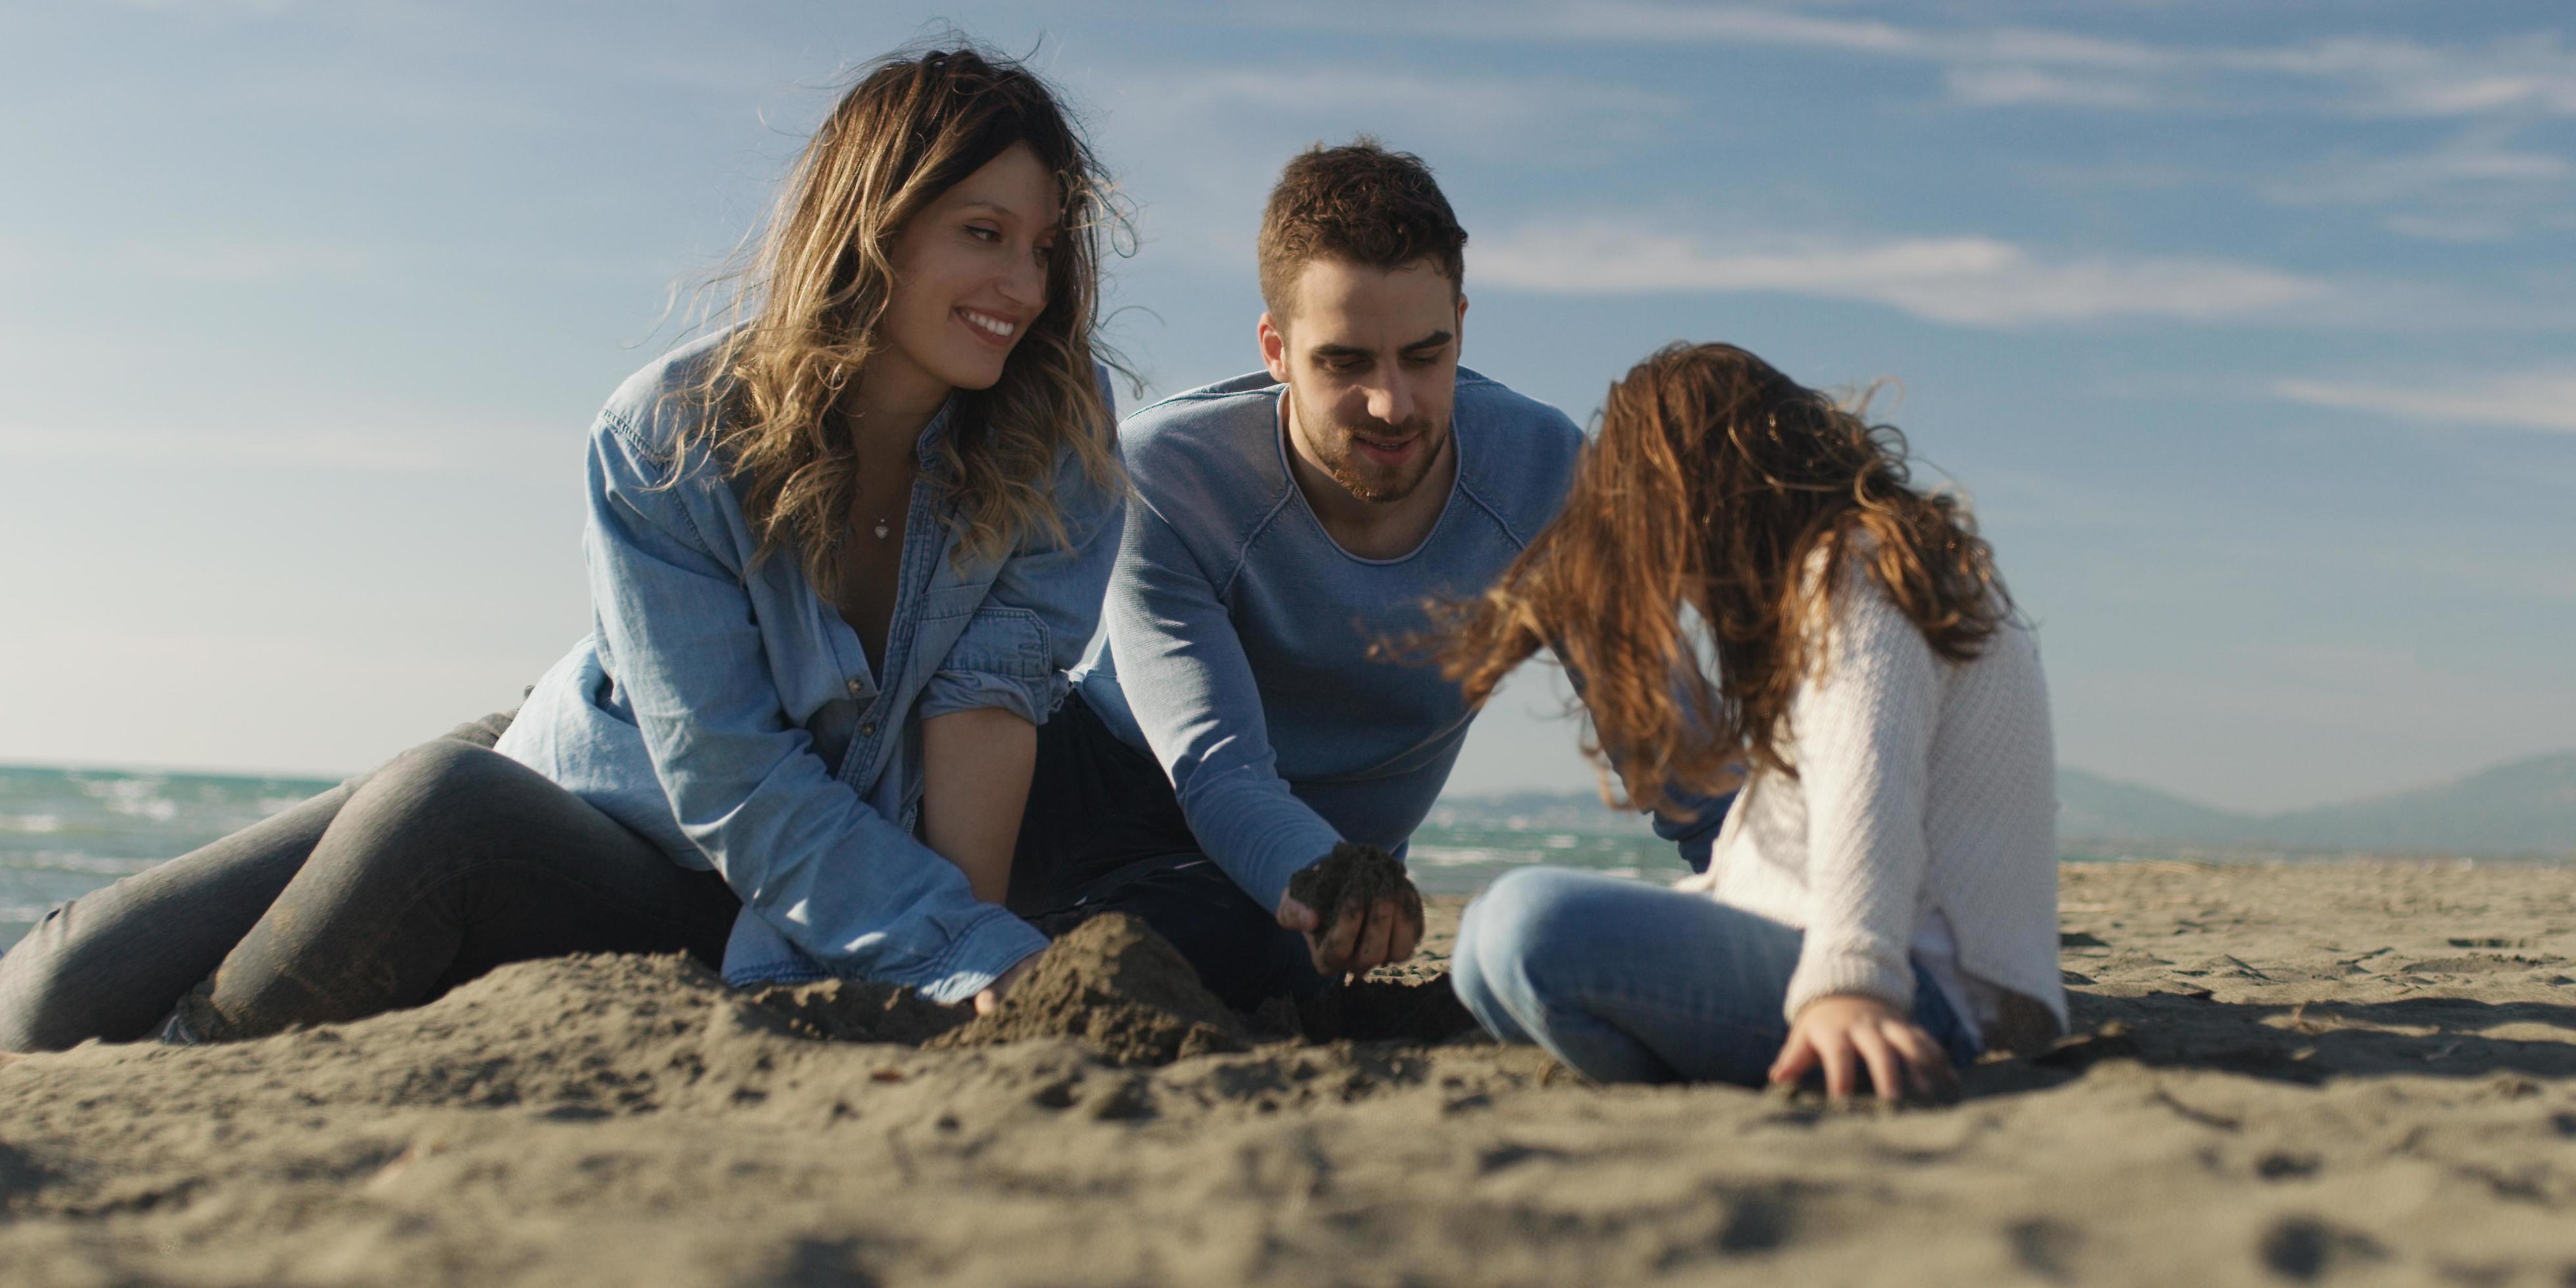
[[1460, 856], [108, 865], [140, 797]]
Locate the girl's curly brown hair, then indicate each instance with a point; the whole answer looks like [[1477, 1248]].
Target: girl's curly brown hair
[[1720, 486]]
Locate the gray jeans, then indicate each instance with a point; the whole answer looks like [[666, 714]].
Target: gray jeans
[[383, 892]]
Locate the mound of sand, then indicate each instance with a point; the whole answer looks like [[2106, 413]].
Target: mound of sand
[[1118, 986], [2349, 1073]]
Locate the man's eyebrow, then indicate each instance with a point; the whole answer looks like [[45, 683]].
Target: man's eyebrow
[[1432, 341]]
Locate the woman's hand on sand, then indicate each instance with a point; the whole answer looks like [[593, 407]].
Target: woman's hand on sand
[[1357, 944], [1845, 1033], [990, 1000]]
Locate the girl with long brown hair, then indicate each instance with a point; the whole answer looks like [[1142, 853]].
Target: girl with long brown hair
[[1743, 580], [841, 553]]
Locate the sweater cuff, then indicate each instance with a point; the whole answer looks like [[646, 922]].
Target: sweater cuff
[[1823, 972]]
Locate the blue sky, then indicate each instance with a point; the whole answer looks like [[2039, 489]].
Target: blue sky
[[2247, 327]]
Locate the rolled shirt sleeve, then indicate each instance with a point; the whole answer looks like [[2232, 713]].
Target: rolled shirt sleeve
[[1041, 610], [847, 886]]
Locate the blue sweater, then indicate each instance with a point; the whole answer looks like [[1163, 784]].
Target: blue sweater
[[1236, 636]]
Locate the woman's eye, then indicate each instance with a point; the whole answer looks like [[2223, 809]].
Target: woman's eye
[[982, 233]]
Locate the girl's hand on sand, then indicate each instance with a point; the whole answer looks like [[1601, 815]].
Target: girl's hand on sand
[[1846, 1032], [990, 1000], [1389, 933]]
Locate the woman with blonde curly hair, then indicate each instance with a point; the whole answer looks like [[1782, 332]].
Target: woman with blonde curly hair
[[1882, 899], [841, 553]]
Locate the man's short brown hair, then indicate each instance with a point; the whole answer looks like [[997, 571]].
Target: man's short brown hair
[[1360, 204]]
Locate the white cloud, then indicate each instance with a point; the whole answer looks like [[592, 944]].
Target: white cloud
[[309, 431], [1207, 143], [1974, 281], [2031, 87], [2480, 159], [1330, 86], [2544, 400], [1624, 21], [212, 8], [236, 262], [2456, 227], [1495, 114], [2476, 187], [336, 449], [2021, 66], [2407, 78], [195, 261]]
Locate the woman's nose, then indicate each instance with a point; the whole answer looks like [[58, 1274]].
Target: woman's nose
[[1026, 284]]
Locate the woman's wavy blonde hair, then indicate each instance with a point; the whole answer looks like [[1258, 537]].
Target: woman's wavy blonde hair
[[1719, 485], [816, 289]]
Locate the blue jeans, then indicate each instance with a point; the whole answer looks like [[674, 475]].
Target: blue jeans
[[1634, 983]]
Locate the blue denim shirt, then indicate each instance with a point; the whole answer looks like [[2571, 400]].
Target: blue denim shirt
[[1237, 639], [724, 710]]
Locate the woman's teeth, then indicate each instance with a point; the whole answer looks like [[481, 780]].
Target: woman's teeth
[[990, 325]]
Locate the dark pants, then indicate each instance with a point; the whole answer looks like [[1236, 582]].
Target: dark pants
[[452, 859], [383, 892], [1103, 833]]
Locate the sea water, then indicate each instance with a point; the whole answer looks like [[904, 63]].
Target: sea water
[[65, 832]]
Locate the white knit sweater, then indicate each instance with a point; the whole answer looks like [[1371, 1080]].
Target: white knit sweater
[[1924, 786]]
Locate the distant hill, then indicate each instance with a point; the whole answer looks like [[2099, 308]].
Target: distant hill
[[2526, 808], [2093, 808]]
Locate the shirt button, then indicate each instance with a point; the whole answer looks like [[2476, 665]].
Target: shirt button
[[870, 728], [854, 686]]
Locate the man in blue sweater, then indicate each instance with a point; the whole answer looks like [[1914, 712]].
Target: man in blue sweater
[[1238, 715]]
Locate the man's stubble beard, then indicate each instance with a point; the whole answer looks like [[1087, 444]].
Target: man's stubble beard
[[1343, 465]]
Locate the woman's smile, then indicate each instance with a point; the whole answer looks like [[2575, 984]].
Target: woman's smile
[[989, 328]]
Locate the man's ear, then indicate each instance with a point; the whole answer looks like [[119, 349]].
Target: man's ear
[[1274, 349], [1462, 313]]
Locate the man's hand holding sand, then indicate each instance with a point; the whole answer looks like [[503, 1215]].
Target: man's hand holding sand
[[1357, 909]]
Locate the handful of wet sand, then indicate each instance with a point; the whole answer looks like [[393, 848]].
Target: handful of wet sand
[[1354, 875]]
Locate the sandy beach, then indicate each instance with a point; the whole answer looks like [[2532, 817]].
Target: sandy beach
[[2347, 1072]]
